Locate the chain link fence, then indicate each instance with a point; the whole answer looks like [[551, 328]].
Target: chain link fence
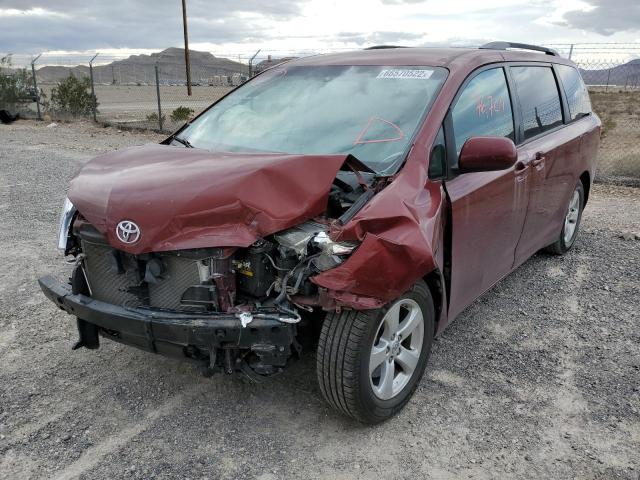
[[162, 104], [150, 91]]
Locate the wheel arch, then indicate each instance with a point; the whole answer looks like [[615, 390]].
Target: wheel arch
[[435, 283], [585, 178]]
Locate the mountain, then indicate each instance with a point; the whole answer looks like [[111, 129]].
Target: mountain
[[141, 68], [627, 74]]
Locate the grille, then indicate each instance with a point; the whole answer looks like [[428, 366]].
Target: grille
[[112, 287]]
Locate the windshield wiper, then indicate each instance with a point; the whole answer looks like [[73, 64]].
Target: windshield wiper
[[183, 141]]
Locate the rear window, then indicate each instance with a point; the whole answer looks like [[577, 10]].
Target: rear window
[[539, 99], [575, 90]]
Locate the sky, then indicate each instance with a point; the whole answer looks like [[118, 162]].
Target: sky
[[240, 27]]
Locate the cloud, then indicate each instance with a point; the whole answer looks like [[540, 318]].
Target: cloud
[[606, 17], [400, 2], [36, 25], [377, 38], [119, 8], [242, 26]]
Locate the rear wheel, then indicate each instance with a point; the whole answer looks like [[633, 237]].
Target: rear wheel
[[571, 224], [369, 362]]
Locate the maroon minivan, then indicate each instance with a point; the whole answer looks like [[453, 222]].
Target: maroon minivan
[[358, 200]]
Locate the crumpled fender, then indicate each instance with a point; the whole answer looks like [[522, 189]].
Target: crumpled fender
[[401, 230]]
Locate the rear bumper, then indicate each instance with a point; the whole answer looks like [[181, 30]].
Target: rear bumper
[[180, 335]]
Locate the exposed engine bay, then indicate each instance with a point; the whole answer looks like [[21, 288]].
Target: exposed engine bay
[[268, 279]]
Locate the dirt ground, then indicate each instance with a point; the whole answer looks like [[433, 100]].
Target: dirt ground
[[133, 104], [540, 378]]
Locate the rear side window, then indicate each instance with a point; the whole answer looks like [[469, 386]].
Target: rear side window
[[539, 99], [483, 109], [575, 90]]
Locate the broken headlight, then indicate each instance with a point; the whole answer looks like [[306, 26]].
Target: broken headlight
[[68, 211], [311, 240], [331, 253]]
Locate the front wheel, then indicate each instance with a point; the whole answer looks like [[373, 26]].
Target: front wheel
[[571, 224], [369, 362]]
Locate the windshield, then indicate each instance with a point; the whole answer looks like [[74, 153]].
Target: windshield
[[370, 112]]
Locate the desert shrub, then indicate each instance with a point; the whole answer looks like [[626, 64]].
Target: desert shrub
[[153, 118], [16, 85], [181, 114], [73, 97]]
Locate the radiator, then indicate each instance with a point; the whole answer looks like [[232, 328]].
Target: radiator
[[108, 285]]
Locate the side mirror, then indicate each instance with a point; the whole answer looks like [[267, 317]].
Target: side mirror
[[487, 154]]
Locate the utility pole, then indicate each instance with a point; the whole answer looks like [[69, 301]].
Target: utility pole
[[186, 46], [93, 91], [35, 85], [158, 96]]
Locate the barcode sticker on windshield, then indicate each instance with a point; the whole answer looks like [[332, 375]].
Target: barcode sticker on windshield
[[406, 74]]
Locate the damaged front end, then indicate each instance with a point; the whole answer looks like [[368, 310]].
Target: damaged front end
[[230, 308]]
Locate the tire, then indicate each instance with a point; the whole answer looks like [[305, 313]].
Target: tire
[[344, 355], [565, 240]]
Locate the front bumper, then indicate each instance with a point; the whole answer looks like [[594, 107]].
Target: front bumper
[[194, 336]]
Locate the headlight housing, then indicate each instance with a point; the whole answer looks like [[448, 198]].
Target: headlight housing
[[332, 252], [68, 211]]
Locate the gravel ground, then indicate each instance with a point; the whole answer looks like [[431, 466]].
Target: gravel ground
[[540, 378]]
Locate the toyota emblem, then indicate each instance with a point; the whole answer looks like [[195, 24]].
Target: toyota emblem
[[128, 232]]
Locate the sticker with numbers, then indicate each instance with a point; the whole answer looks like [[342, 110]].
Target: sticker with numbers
[[406, 74]]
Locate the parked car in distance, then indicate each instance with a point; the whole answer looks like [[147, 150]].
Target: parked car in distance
[[357, 200]]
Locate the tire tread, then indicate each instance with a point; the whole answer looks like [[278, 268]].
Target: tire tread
[[338, 359], [338, 379]]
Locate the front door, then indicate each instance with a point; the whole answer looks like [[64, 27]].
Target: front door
[[488, 208]]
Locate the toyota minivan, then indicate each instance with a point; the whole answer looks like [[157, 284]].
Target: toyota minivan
[[356, 202]]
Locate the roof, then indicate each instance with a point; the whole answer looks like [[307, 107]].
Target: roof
[[435, 57]]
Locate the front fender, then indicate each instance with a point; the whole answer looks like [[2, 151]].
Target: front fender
[[401, 234]]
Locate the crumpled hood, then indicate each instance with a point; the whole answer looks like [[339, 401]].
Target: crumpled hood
[[189, 198]]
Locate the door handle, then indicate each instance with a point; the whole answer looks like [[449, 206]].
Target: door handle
[[520, 171], [539, 159], [520, 167]]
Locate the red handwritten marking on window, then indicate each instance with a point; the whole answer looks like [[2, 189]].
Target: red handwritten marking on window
[[488, 105], [372, 120]]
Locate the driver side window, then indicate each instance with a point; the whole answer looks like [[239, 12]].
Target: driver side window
[[483, 109]]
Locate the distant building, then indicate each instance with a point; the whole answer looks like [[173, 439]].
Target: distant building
[[236, 79], [270, 62]]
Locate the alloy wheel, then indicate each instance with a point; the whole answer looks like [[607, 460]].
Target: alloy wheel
[[571, 220], [396, 348]]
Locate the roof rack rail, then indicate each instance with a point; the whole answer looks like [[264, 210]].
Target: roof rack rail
[[383, 47], [523, 46]]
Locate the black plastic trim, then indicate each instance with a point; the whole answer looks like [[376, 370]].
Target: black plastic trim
[[522, 46]]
